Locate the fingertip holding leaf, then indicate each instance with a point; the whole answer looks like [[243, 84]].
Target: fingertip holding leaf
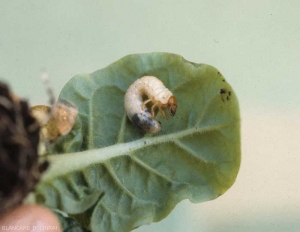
[[141, 178], [30, 218]]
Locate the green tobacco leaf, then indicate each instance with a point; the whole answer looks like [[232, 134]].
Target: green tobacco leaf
[[68, 224], [121, 178]]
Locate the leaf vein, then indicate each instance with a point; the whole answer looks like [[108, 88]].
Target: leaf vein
[[122, 129], [117, 180], [152, 170], [205, 109], [190, 151], [122, 186]]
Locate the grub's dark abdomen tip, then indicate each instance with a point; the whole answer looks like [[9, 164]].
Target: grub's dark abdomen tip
[[145, 122]]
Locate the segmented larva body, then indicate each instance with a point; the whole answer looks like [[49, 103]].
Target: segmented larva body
[[157, 93]]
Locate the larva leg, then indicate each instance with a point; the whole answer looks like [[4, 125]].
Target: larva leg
[[152, 110], [144, 103], [163, 113]]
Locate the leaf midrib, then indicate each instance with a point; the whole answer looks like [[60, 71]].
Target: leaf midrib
[[66, 163]]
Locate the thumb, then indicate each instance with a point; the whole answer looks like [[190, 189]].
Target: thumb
[[30, 218]]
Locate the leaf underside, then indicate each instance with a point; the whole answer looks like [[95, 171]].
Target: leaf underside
[[196, 156]]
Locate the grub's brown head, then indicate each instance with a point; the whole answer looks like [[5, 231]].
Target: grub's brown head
[[172, 105]]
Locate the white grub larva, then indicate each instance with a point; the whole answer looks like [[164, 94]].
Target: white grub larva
[[157, 93]]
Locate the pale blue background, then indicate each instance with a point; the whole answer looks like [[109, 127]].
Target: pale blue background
[[255, 44]]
